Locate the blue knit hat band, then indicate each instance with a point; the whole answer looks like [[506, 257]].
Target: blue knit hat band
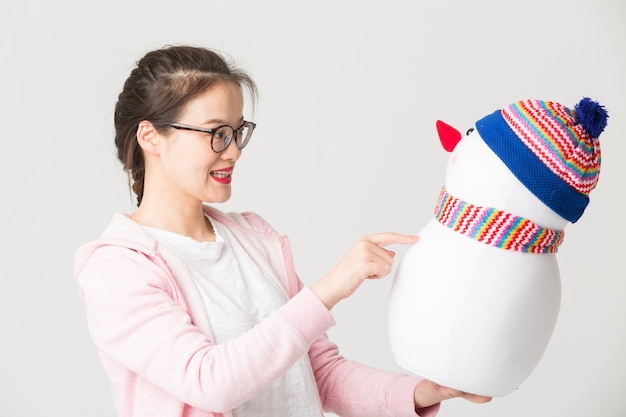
[[529, 170]]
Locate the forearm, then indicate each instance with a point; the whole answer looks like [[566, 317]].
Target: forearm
[[350, 389]]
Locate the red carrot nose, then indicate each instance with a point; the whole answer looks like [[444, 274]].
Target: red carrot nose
[[448, 136]]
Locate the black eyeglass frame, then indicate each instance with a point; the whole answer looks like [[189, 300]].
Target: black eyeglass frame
[[236, 133]]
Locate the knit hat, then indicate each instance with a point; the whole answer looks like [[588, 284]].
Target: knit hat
[[552, 150]]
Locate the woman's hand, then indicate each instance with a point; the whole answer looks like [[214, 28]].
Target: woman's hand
[[368, 259], [428, 393]]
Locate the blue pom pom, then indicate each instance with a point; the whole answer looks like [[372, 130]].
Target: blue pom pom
[[592, 116]]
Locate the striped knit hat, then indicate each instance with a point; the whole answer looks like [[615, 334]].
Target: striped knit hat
[[552, 150]]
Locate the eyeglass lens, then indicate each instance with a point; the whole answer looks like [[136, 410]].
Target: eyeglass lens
[[223, 136]]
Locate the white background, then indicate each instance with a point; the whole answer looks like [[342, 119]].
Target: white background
[[345, 146]]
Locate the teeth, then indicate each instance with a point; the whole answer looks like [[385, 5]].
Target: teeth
[[220, 174]]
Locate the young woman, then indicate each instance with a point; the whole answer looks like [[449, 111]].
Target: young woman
[[196, 312]]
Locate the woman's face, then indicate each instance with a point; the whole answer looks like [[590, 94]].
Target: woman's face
[[192, 169]]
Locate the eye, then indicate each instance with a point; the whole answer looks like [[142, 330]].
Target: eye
[[470, 130], [221, 134]]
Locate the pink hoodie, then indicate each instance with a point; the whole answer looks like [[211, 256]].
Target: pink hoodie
[[153, 336]]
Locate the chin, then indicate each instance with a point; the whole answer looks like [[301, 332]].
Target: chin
[[218, 199]]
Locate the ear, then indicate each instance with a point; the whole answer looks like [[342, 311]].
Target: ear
[[147, 137]]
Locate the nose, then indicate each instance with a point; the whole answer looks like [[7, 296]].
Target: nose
[[448, 136], [232, 152]]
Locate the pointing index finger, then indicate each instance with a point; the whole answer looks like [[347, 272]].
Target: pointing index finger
[[388, 238]]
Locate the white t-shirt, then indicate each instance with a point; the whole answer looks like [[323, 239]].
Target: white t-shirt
[[237, 295]]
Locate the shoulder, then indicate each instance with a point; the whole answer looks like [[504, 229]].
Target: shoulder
[[121, 236]]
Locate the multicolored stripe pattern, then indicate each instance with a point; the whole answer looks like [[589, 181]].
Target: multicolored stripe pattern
[[495, 227], [551, 132]]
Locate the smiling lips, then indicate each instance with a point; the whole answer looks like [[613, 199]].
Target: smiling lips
[[223, 176]]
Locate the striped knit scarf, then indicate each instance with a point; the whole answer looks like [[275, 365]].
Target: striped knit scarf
[[495, 227]]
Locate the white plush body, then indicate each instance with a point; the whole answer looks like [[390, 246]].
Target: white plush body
[[468, 315]]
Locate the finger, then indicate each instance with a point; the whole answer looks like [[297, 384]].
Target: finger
[[380, 252], [388, 238], [477, 398], [379, 270], [381, 263]]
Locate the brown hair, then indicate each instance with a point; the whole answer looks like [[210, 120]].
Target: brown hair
[[158, 89]]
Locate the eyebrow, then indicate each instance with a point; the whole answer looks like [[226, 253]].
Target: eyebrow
[[220, 121]]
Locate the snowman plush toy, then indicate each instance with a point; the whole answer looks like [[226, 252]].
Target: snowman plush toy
[[474, 303]]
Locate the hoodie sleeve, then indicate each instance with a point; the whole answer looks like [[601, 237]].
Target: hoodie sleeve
[[350, 389], [138, 318]]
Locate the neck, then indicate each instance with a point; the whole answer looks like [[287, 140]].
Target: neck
[[187, 220], [495, 227]]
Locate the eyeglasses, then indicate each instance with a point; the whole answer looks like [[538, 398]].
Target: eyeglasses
[[222, 135]]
